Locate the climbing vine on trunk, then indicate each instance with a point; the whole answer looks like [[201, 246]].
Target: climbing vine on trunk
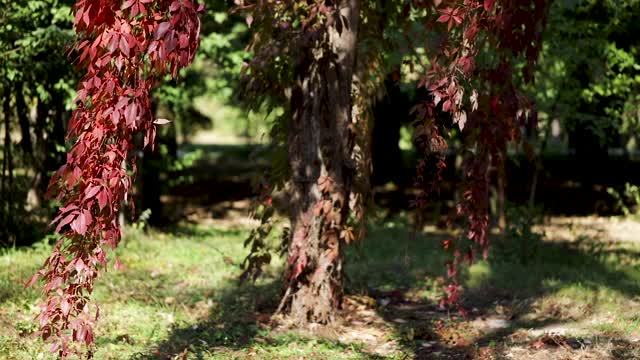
[[473, 48], [316, 44], [125, 48]]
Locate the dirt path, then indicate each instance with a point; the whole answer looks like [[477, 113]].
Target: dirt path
[[605, 228]]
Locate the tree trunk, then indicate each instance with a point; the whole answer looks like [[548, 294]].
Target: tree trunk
[[23, 118], [501, 197], [6, 193], [320, 145], [389, 115]]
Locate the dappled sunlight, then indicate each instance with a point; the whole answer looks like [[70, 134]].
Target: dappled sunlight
[[177, 292]]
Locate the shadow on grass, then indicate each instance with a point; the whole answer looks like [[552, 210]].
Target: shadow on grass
[[557, 266], [236, 321], [233, 325], [393, 267], [239, 328], [404, 275]]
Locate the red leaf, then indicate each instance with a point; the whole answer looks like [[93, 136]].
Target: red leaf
[[111, 84], [115, 117], [79, 225], [488, 4], [102, 199], [111, 156], [124, 46], [119, 63], [79, 265], [184, 41], [53, 284], [161, 29], [80, 334], [152, 47], [65, 307], [131, 40], [124, 100], [33, 279], [91, 191], [446, 106], [88, 338], [142, 8], [55, 347], [72, 177], [127, 4], [76, 20], [174, 6], [113, 43], [85, 16], [88, 219], [170, 42], [68, 208], [92, 51], [66, 221], [130, 114], [135, 10], [443, 18], [149, 137]]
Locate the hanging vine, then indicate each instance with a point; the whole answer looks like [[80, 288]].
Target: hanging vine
[[125, 49]]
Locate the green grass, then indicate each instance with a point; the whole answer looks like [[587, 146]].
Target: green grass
[[178, 292]]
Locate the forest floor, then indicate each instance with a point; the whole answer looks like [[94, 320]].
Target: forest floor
[[573, 294]]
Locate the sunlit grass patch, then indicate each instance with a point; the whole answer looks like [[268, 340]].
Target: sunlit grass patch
[[178, 293]]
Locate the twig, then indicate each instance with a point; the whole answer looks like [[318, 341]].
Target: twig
[[284, 300]]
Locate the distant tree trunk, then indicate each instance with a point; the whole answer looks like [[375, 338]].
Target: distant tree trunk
[[500, 193], [320, 145], [153, 162], [150, 185], [389, 115], [55, 158], [7, 173], [23, 118], [46, 154]]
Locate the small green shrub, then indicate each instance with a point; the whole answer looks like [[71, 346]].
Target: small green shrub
[[628, 201], [520, 243]]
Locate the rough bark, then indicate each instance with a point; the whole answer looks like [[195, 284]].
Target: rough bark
[[320, 144]]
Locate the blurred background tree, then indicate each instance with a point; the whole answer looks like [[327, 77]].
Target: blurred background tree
[[37, 86], [587, 93]]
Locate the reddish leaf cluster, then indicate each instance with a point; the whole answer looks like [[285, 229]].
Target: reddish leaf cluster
[[491, 116], [125, 48], [278, 42]]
